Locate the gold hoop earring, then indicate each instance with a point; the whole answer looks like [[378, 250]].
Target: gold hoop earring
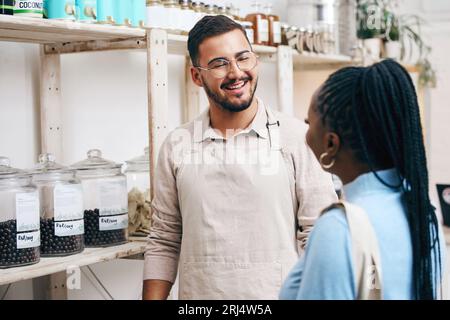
[[326, 166]]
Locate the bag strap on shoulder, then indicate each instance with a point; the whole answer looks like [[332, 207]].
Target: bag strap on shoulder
[[365, 251]]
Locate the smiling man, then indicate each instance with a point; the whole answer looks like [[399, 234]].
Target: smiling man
[[237, 191]]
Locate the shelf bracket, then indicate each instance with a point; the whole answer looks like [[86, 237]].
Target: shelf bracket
[[158, 105], [192, 108], [51, 104]]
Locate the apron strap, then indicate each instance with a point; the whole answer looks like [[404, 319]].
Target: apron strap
[[273, 126]]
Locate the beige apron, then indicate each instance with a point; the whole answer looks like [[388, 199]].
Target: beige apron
[[243, 246]]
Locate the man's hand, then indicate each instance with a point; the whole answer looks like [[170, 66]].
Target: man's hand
[[156, 289]]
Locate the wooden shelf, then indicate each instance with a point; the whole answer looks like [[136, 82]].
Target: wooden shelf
[[22, 29], [89, 256], [70, 37], [309, 60]]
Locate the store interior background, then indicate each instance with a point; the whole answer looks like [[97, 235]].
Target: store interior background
[[105, 106]]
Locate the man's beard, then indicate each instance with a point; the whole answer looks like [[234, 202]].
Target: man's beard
[[225, 103]]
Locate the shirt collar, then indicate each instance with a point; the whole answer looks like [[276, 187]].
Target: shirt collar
[[369, 183], [258, 125]]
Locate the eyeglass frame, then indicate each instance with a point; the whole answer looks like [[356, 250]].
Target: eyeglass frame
[[229, 64]]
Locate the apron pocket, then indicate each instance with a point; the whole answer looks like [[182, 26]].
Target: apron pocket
[[232, 281]]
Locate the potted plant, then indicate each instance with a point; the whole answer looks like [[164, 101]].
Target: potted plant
[[392, 44], [414, 50], [370, 28]]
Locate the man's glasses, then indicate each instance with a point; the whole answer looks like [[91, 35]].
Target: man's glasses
[[219, 68]]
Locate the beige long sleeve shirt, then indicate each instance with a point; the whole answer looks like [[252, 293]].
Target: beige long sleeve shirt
[[311, 189]]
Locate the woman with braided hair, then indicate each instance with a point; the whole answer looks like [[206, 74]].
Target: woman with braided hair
[[364, 126]]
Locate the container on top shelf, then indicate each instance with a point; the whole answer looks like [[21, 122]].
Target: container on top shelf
[[61, 208], [248, 26], [260, 24], [187, 17], [156, 17], [344, 33], [172, 14], [197, 7], [284, 30], [59, 9], [274, 26], [208, 9], [105, 200], [105, 11], [19, 217], [27, 8], [137, 171], [138, 13], [7, 7], [122, 12], [86, 10]]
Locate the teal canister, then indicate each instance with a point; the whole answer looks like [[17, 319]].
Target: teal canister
[[123, 11], [105, 11], [59, 9], [86, 10], [139, 15]]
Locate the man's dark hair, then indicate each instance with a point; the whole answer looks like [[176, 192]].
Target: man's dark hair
[[210, 26]]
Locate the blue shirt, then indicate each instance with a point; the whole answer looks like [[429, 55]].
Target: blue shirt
[[326, 270]]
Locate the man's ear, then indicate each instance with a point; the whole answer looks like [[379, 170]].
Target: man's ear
[[196, 77], [333, 144]]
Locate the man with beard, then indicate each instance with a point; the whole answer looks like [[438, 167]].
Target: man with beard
[[237, 190]]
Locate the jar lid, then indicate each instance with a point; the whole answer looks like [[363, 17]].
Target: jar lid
[[143, 159], [7, 172], [95, 161], [47, 164]]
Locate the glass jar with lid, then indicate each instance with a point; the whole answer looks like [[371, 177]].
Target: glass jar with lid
[[248, 26], [19, 217], [137, 171], [222, 11], [197, 7], [156, 14], [138, 16], [274, 26], [209, 10], [284, 30], [186, 21], [104, 199], [61, 208], [260, 24], [172, 13]]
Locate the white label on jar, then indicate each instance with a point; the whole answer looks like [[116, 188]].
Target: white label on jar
[[28, 240], [276, 32], [113, 222], [263, 29], [250, 35], [27, 211], [29, 8], [68, 202], [113, 197], [69, 228]]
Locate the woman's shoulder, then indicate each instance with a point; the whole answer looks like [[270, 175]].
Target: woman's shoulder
[[331, 230]]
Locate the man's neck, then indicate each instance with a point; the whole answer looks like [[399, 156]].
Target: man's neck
[[223, 120]]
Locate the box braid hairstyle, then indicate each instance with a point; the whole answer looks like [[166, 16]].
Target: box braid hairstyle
[[374, 111]]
